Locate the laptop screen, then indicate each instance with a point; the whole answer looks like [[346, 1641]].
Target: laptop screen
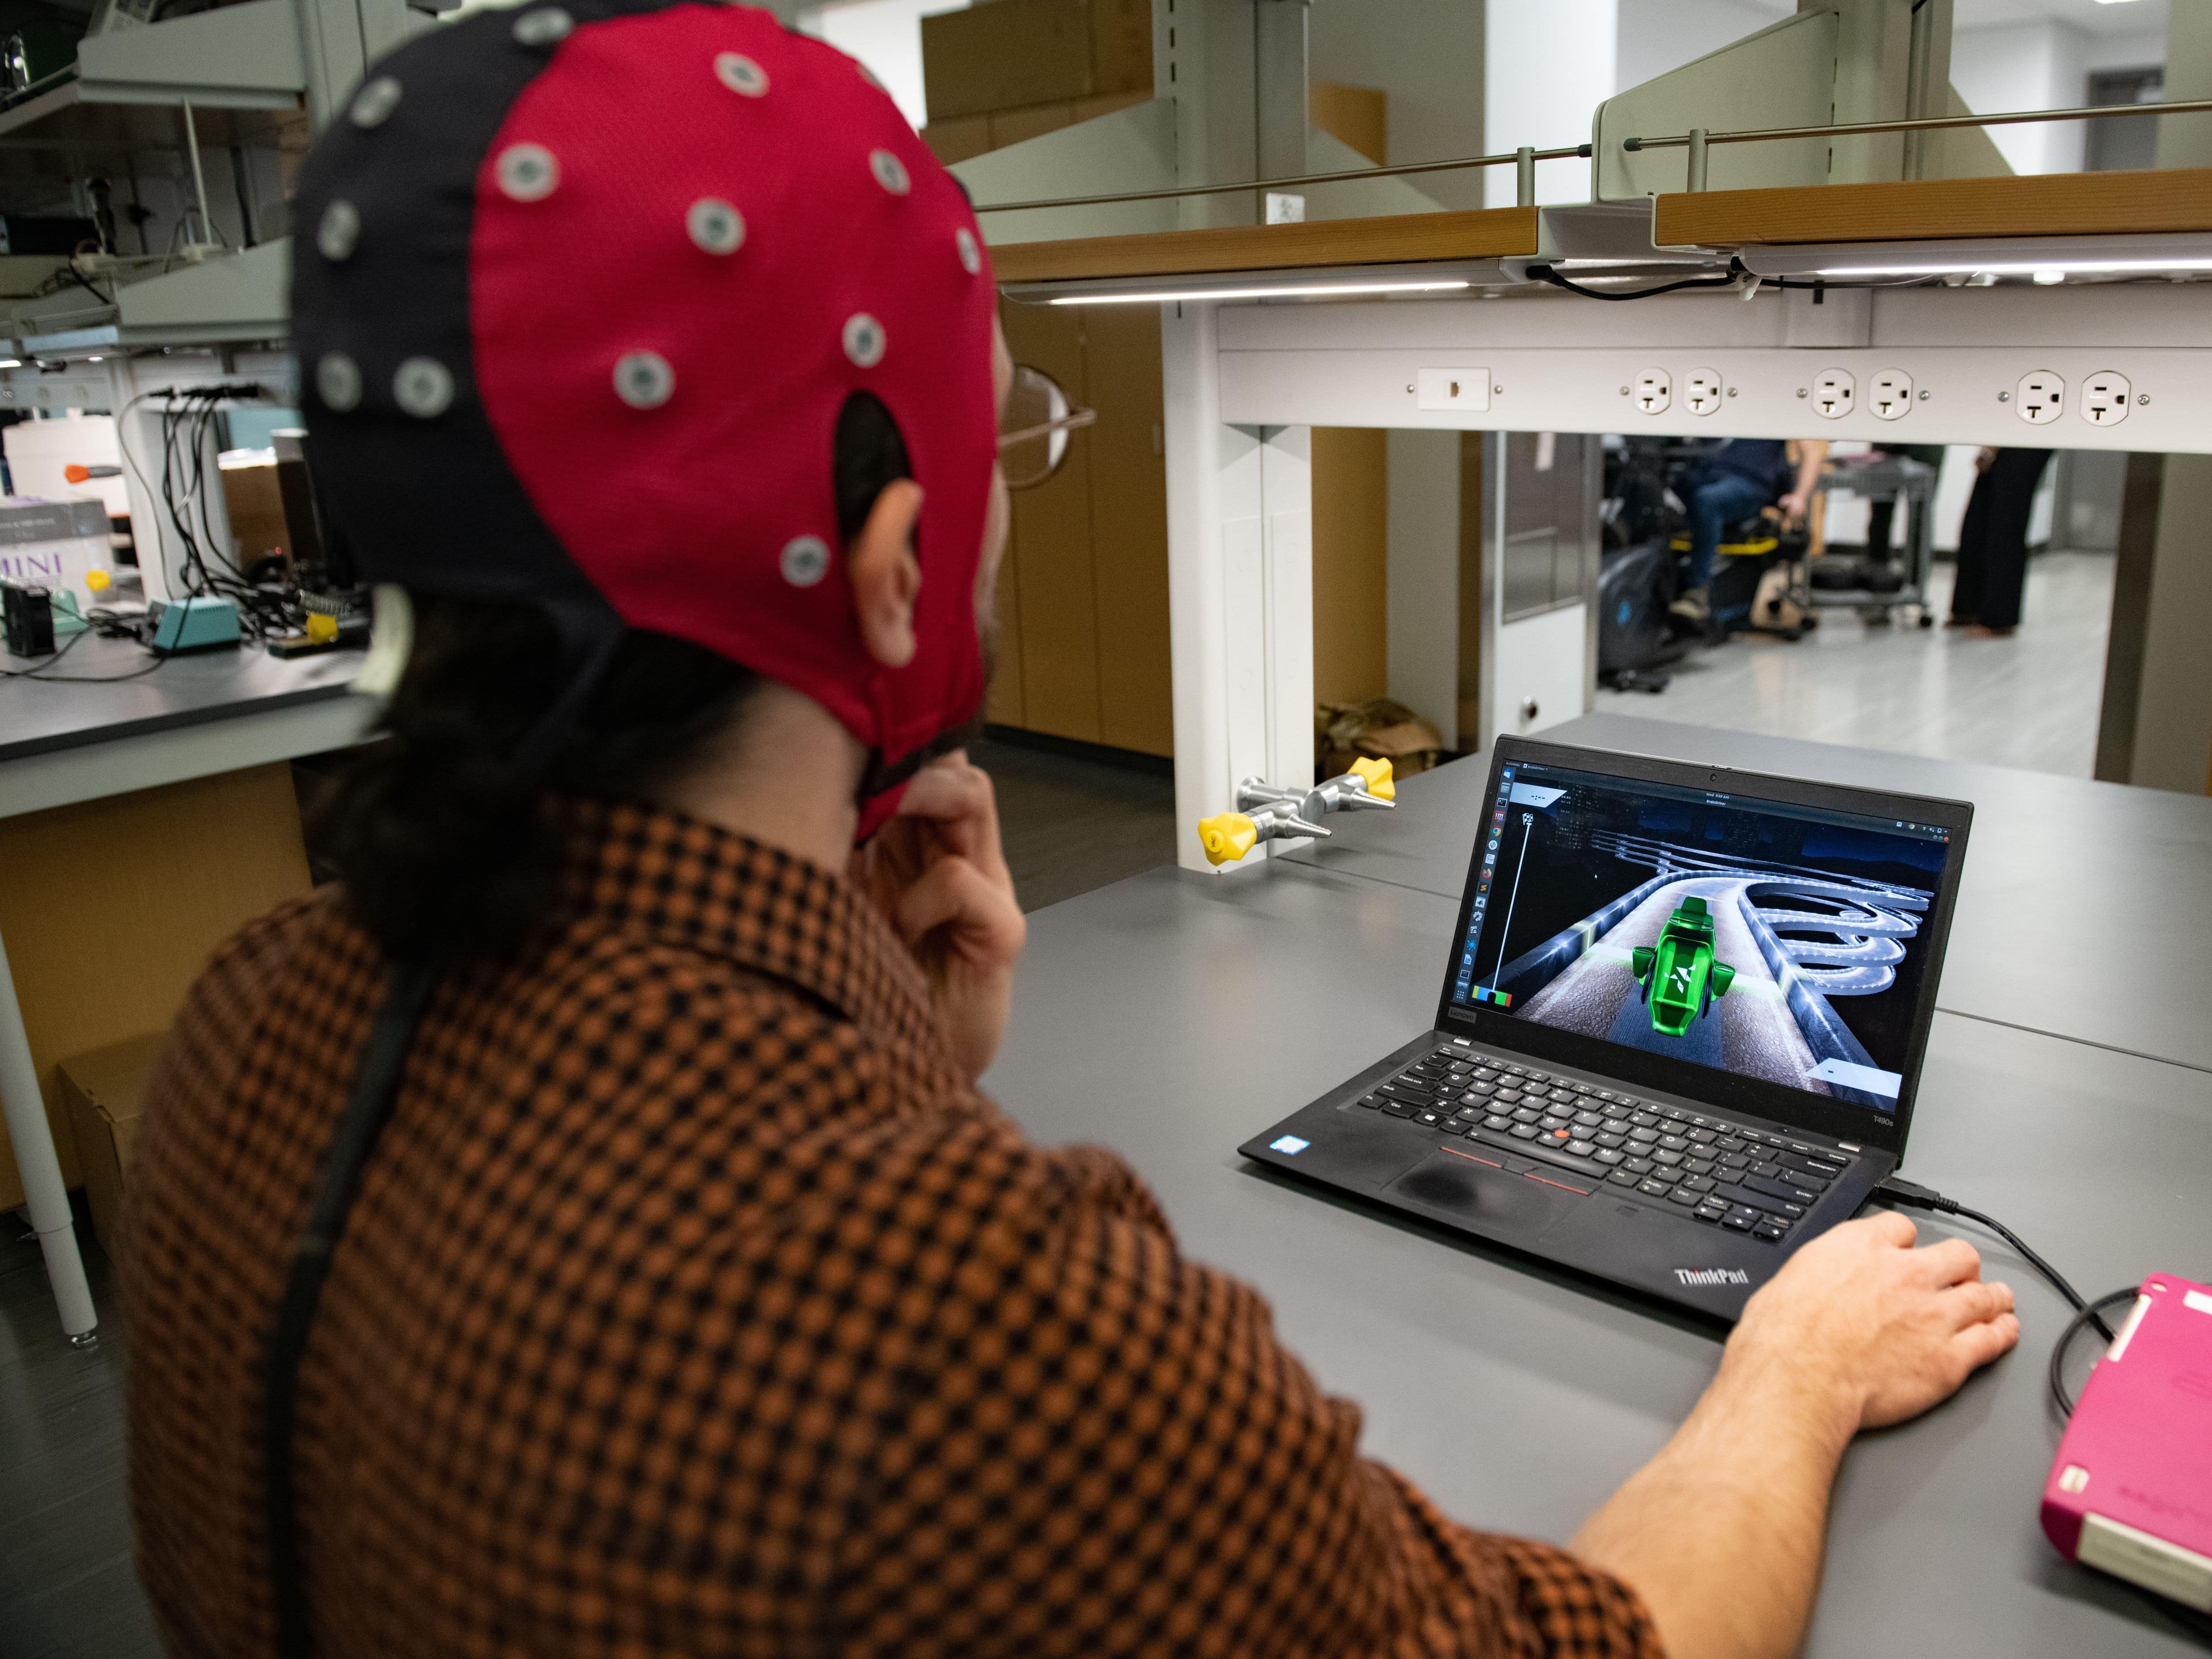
[[1771, 941]]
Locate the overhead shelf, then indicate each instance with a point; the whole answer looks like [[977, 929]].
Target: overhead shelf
[[1398, 239], [233, 299], [59, 133], [239, 67], [238, 57], [2174, 199]]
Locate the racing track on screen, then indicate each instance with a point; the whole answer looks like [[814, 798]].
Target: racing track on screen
[[1795, 938]]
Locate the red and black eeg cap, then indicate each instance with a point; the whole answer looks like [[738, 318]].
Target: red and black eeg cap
[[579, 293]]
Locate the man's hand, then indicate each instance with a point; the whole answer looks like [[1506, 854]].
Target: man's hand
[[1793, 507], [1720, 1533], [1891, 1330], [938, 873]]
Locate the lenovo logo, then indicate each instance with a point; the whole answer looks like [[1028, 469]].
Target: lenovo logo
[[1712, 1275]]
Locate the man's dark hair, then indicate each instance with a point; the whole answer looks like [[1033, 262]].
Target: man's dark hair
[[443, 845]]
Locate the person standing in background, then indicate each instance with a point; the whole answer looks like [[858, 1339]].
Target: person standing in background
[[1993, 542]]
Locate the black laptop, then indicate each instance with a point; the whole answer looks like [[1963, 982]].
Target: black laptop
[[1681, 1028]]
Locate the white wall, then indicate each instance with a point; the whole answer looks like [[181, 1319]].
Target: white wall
[[1426, 58], [1547, 67], [2041, 65], [2185, 141], [886, 36], [1655, 36], [2121, 51]]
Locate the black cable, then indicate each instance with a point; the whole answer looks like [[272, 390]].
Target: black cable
[[2066, 1340], [369, 1104], [1899, 1191], [1825, 281], [2082, 1310], [160, 657], [52, 657], [41, 671], [189, 415], [1544, 273], [85, 282], [1737, 273]]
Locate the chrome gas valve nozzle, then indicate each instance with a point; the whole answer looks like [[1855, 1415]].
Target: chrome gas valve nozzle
[[1266, 813]]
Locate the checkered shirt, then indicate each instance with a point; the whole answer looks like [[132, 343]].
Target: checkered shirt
[[693, 1304]]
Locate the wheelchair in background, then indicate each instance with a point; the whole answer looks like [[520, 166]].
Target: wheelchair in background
[[1758, 584]]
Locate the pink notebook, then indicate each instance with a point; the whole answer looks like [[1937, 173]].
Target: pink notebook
[[2130, 1491]]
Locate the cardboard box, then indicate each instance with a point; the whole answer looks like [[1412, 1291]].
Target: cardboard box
[[104, 1091], [256, 510], [955, 140], [1019, 126], [967, 135], [1013, 53], [1090, 109], [1357, 115], [1377, 729]]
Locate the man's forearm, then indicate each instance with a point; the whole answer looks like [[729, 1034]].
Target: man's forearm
[[1815, 453], [1721, 1533]]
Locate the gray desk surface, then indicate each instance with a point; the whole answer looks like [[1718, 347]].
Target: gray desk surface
[[2085, 909], [1171, 1015], [40, 716]]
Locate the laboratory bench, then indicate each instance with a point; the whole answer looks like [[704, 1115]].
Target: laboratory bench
[[1171, 1016]]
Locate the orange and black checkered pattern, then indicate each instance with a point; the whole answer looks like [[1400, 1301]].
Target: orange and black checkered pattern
[[693, 1305]]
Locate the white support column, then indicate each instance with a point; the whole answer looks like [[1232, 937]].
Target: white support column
[[1240, 586], [1286, 510], [1209, 73], [1873, 63], [1423, 577], [33, 1139]]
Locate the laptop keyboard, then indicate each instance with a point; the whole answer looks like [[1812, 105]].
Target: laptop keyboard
[[1747, 1180]]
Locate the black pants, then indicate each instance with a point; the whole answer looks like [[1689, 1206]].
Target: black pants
[[1881, 514], [1993, 540]]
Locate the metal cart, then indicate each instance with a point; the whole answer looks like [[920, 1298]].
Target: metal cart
[[1911, 485]]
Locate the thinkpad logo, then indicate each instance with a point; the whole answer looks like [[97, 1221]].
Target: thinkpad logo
[[1712, 1275]]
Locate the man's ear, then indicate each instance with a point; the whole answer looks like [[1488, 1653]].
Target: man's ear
[[885, 574]]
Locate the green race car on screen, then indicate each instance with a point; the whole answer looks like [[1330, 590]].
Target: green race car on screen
[[1679, 974]]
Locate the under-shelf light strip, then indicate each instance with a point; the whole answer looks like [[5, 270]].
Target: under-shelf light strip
[[1158, 296], [2012, 268]]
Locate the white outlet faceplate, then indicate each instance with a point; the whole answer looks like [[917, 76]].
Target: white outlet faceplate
[[1889, 394], [1701, 393], [1452, 388], [2105, 398], [1835, 391], [2040, 399], [1655, 390]]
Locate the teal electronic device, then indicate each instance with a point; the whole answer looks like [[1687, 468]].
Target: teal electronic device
[[203, 622]]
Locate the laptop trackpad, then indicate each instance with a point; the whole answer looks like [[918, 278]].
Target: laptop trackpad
[[1469, 1190]]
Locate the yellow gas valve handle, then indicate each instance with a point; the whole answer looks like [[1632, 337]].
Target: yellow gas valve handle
[[1227, 837], [1379, 779]]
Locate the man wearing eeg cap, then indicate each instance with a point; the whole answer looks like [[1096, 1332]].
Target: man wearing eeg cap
[[580, 1232]]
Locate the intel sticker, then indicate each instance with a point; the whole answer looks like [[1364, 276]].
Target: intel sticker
[[1288, 1144]]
